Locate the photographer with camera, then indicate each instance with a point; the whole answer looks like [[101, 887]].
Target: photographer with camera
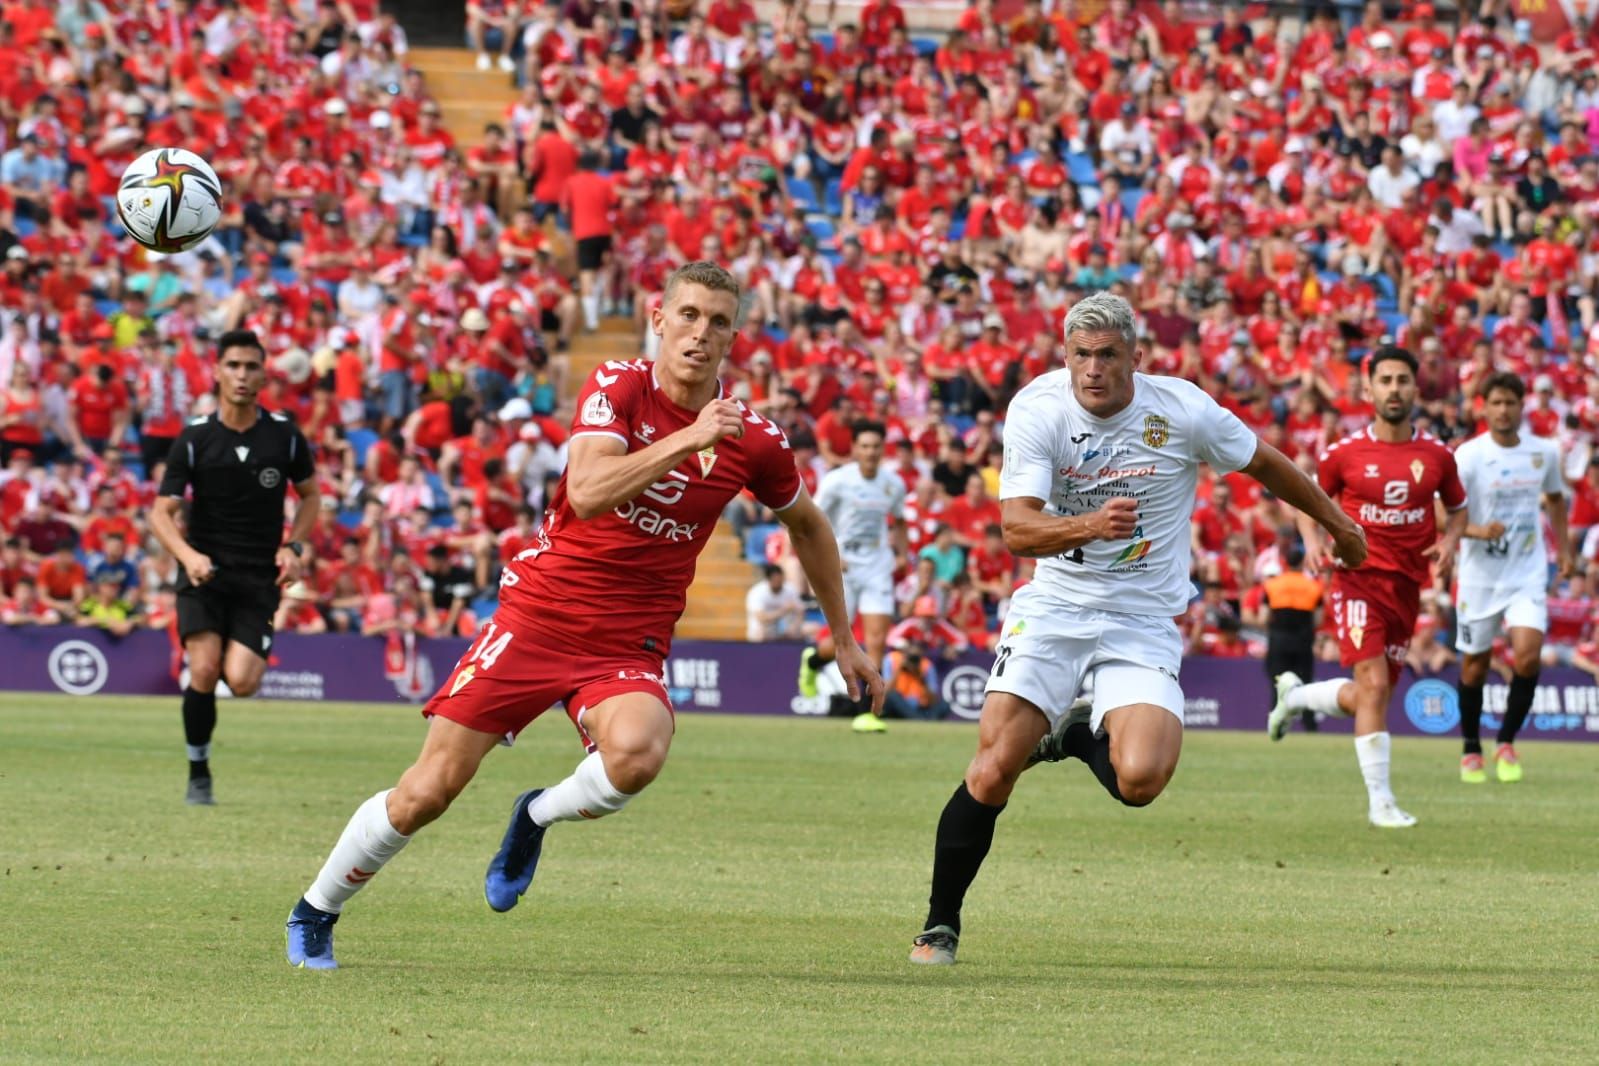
[[913, 688]]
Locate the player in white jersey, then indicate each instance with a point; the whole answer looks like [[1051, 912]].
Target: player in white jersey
[[866, 505], [1503, 580], [1098, 484]]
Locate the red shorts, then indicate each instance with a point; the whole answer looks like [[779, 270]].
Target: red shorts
[[508, 678], [1375, 614]]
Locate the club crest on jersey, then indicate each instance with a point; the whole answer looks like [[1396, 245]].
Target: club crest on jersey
[[1537, 462], [1417, 468], [707, 460], [462, 678], [597, 410], [1157, 431], [1372, 471], [1356, 635]]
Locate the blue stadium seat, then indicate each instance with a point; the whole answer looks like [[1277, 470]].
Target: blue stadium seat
[[441, 493], [833, 197], [823, 39], [413, 240], [1489, 322], [833, 256], [1549, 332], [442, 520], [777, 336], [285, 275], [1131, 198], [1386, 293], [1329, 277], [361, 440], [925, 46], [350, 519], [25, 227], [803, 193], [755, 543], [821, 228], [957, 229], [1391, 321], [1081, 169], [107, 307], [483, 607]]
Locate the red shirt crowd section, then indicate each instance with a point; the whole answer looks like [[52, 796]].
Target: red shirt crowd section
[[913, 218]]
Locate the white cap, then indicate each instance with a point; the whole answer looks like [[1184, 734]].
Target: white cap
[[380, 120], [530, 431], [514, 409], [1382, 39], [474, 320], [1294, 144], [336, 106]]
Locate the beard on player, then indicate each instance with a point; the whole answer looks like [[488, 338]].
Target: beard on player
[[1393, 390]]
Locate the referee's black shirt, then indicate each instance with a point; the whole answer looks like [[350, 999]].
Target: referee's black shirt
[[239, 480]]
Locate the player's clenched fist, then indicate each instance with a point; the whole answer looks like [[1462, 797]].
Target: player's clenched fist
[[718, 419], [1117, 519], [200, 569], [1349, 545]]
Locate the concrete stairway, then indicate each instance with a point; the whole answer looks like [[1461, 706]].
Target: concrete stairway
[[469, 98]]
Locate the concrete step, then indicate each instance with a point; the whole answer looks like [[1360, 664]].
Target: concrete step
[[468, 98]]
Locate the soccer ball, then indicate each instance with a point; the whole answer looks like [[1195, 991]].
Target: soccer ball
[[169, 199]]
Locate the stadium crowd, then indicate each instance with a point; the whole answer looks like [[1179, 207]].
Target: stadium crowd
[[911, 216]]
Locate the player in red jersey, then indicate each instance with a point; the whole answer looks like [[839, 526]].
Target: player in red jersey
[[1385, 478], [586, 613]]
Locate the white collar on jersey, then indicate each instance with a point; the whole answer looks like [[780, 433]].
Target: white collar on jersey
[[1371, 434], [656, 382]]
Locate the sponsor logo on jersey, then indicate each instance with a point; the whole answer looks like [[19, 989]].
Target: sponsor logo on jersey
[[1417, 468], [1108, 473], [1133, 553], [1156, 431], [649, 520], [269, 478], [1373, 515], [645, 432], [1078, 438], [1372, 471], [597, 410]]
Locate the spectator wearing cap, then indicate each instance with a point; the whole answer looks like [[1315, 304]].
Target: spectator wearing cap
[[993, 364]]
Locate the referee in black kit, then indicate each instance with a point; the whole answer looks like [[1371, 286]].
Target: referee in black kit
[[240, 462]]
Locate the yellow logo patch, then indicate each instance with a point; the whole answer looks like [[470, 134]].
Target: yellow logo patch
[[462, 678], [707, 460], [1156, 431], [1417, 468]]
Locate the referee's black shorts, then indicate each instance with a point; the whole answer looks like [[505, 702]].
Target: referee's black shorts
[[591, 252], [237, 605]]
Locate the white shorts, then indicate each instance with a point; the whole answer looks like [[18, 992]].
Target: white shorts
[[1476, 633], [869, 587], [1050, 655]]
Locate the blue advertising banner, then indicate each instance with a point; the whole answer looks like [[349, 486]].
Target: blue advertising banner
[[729, 677]]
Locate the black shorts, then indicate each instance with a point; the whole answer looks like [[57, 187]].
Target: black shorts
[[591, 252], [236, 606]]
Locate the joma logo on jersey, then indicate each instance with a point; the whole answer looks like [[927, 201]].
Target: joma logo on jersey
[[649, 520]]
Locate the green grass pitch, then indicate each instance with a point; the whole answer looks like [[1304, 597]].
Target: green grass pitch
[[757, 905]]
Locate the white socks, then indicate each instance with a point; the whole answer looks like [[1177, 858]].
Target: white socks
[[588, 793], [1320, 696], [1372, 751], [368, 842], [591, 311]]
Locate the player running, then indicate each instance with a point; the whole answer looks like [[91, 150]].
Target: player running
[[1098, 483], [586, 613], [1503, 579], [240, 462], [1385, 477], [861, 499]]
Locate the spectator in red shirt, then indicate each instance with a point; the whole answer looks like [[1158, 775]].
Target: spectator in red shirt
[[970, 514], [589, 200], [97, 411]]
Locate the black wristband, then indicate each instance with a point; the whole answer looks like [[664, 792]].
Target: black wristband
[[297, 548]]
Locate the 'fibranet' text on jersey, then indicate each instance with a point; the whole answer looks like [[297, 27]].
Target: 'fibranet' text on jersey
[[239, 481], [618, 581], [1149, 451]]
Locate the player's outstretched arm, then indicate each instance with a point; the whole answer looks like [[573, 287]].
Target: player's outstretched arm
[[811, 536], [601, 475], [1028, 531], [1288, 483]]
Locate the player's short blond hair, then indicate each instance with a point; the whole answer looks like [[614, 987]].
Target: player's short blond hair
[[702, 272]]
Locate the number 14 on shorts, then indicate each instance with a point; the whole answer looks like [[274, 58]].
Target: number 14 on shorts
[[484, 653]]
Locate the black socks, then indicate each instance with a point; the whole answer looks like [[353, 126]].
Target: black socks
[[1081, 743], [1471, 718], [1517, 705], [199, 722], [965, 832]]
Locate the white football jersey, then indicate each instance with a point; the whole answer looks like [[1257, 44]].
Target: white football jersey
[[1506, 485], [859, 509], [1150, 451]]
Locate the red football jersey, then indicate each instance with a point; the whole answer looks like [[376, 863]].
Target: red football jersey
[[1388, 489], [618, 581]]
